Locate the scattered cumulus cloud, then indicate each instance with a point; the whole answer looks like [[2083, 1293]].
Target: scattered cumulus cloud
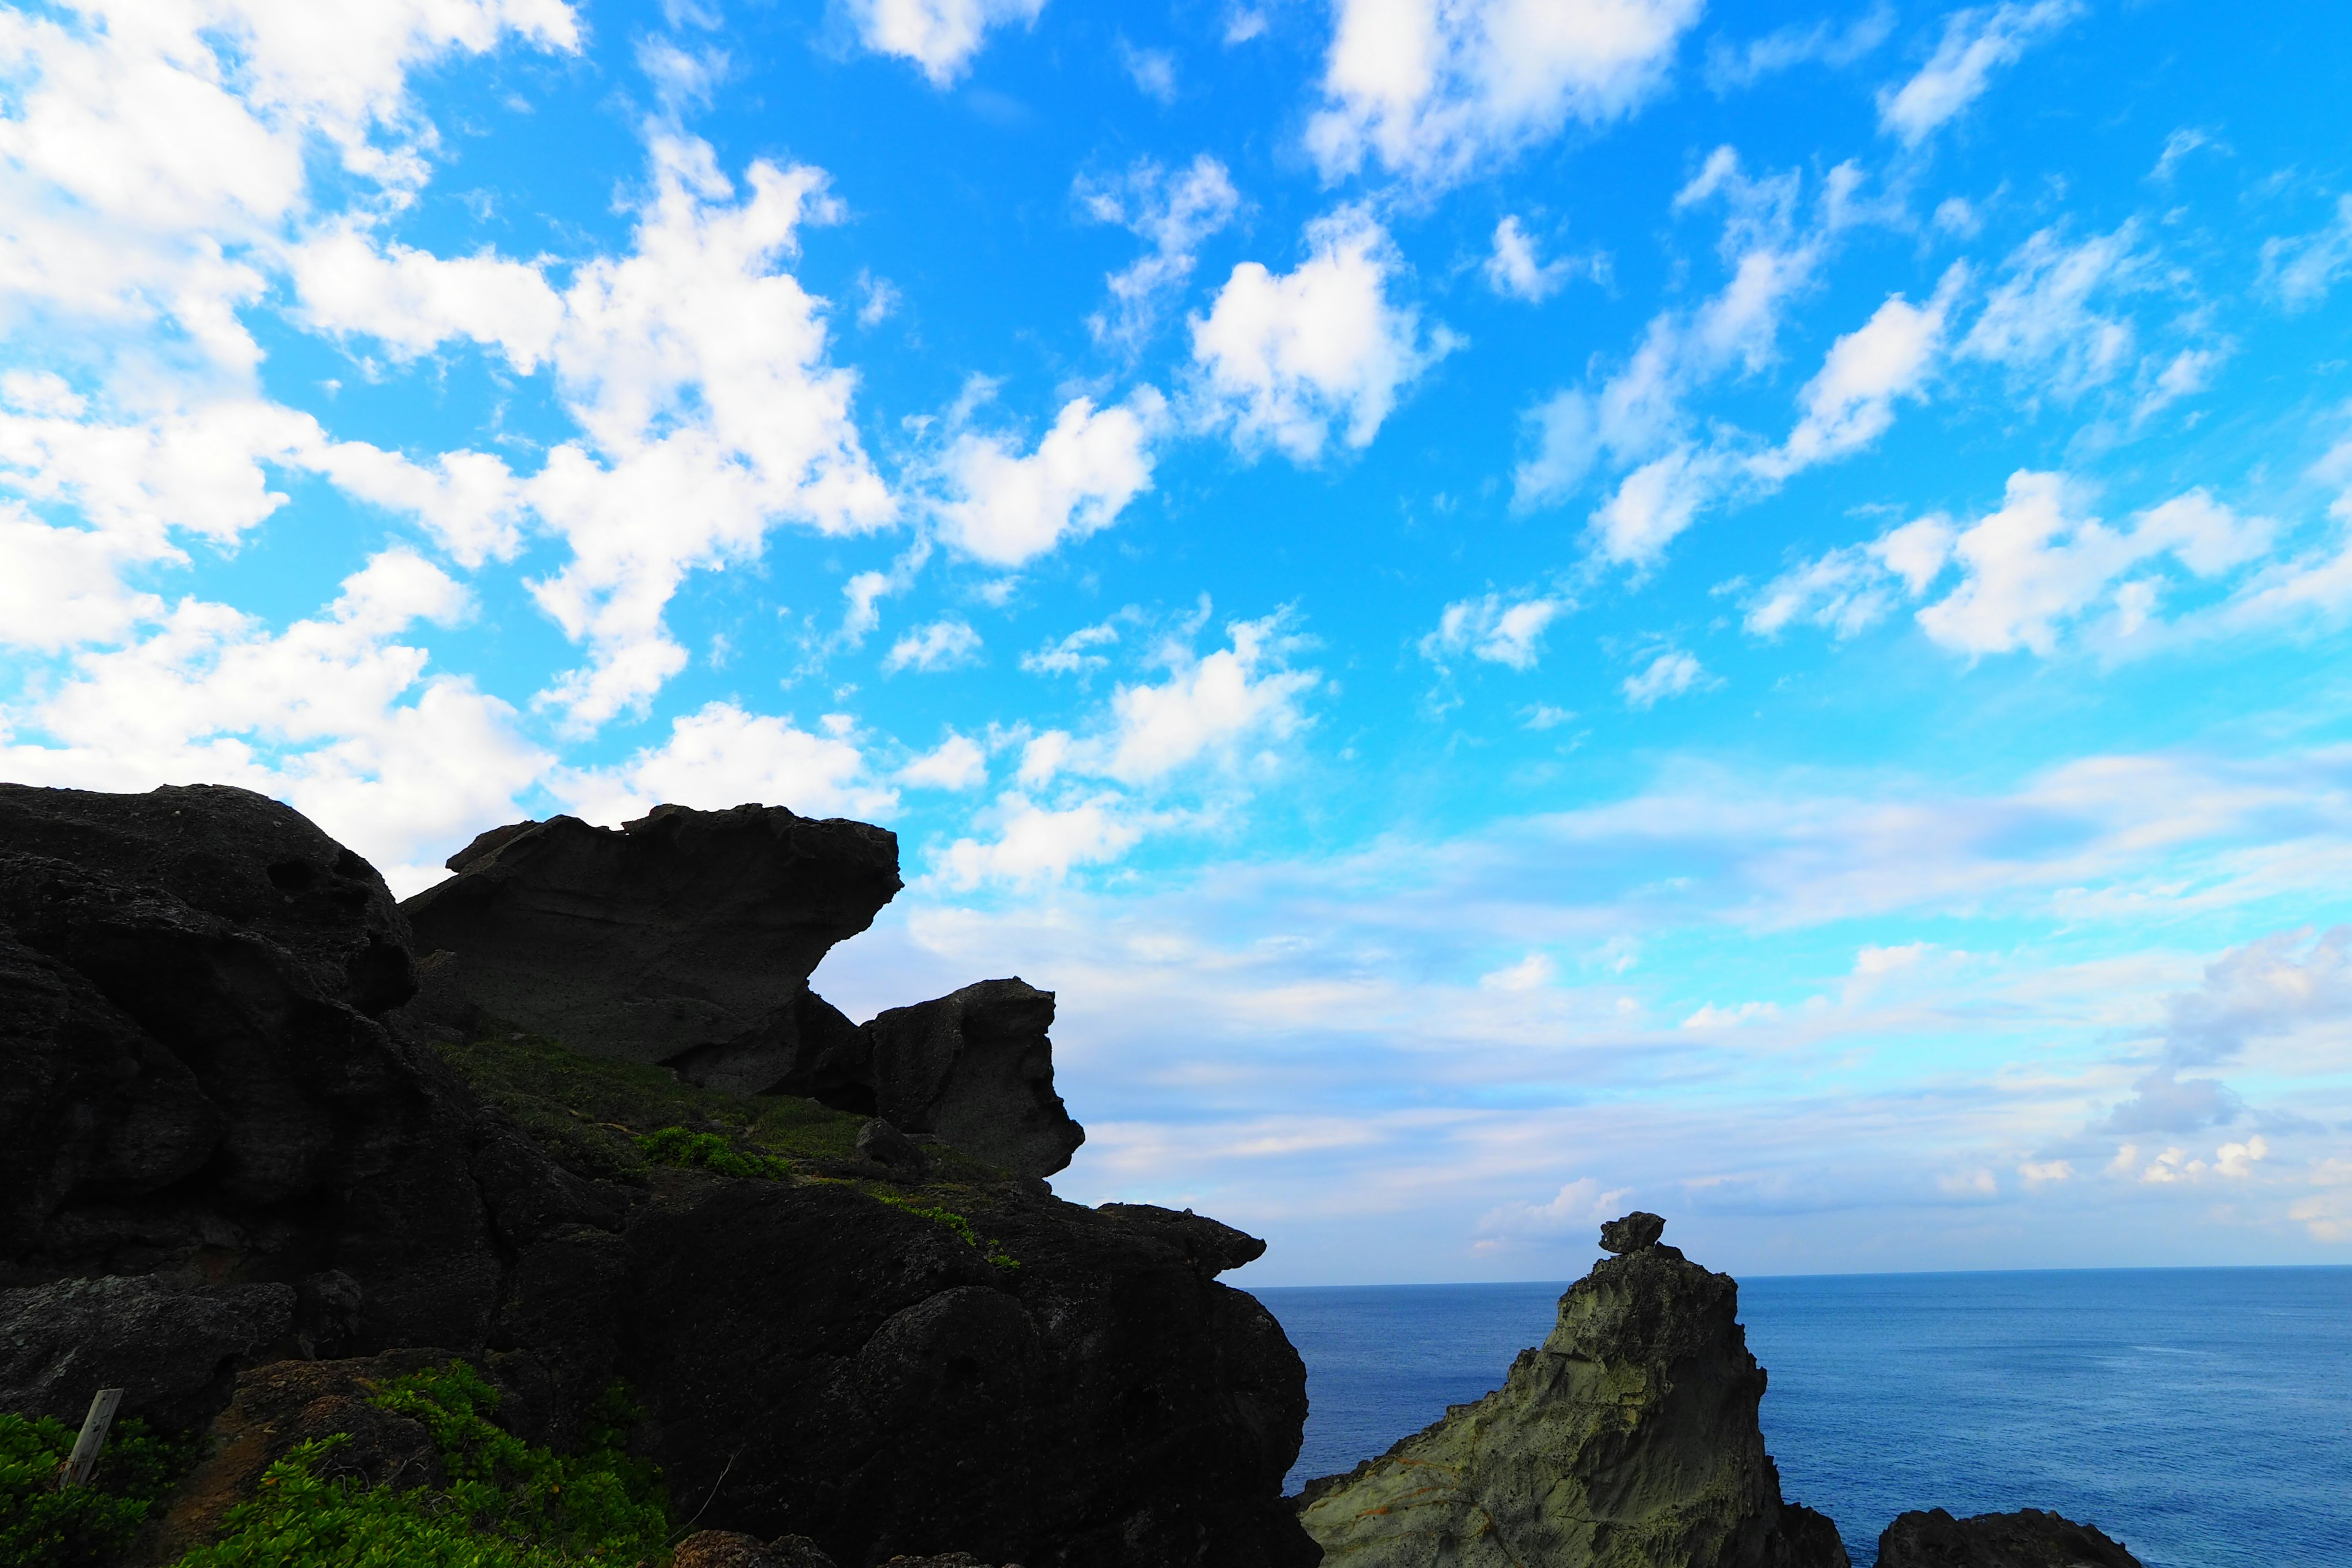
[[1431, 90], [2040, 322], [1495, 629], [1573, 1212], [1731, 67], [1175, 212], [943, 645], [1670, 674], [1977, 42], [1513, 272], [1073, 654], [721, 756], [1281, 359], [955, 763], [1850, 403], [938, 36], [1153, 71], [1005, 508]]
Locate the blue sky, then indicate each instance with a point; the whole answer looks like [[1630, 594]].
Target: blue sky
[[1526, 609]]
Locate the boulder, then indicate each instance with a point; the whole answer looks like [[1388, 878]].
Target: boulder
[[975, 1068], [1208, 1245], [685, 937], [1632, 1233], [1102, 1403], [192, 1086], [1628, 1438], [174, 1349], [252, 863], [2029, 1538]]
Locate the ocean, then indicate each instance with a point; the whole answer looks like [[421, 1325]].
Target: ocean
[[2201, 1416]]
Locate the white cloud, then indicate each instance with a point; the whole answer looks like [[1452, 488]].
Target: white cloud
[[1208, 707], [1976, 43], [721, 756], [1850, 403], [1070, 656], [1007, 508], [2039, 321], [697, 371], [1153, 71], [411, 301], [2041, 1173], [63, 586], [1282, 358], [1176, 213], [1513, 272], [1431, 89], [1534, 971], [881, 300], [940, 36], [2300, 270], [1501, 631], [1670, 674], [1655, 502], [943, 645], [1730, 67], [955, 763], [1577, 1207], [335, 714], [1035, 843], [2027, 570]]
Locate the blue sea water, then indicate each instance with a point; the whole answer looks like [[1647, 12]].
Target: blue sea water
[[2202, 1416]]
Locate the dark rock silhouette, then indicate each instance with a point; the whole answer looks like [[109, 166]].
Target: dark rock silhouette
[[2029, 1538], [975, 1068], [686, 937], [1208, 1246], [1628, 1438], [172, 1347], [194, 1088], [1632, 1233]]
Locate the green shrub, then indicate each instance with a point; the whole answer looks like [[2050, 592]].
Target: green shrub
[[508, 1504], [709, 1152], [86, 1525], [960, 1225]]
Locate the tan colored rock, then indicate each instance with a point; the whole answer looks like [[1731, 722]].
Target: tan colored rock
[[1627, 1439]]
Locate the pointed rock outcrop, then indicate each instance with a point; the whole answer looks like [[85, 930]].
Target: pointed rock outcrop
[[1627, 1439], [2029, 1537]]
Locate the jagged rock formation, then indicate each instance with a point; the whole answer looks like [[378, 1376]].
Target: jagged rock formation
[[208, 1095], [687, 938], [172, 1347], [1627, 1439], [2029, 1538], [975, 1068]]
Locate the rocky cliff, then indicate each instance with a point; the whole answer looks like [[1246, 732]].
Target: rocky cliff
[[2029, 1537], [1628, 1439], [224, 1142]]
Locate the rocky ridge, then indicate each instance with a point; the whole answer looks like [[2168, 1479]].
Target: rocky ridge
[[1628, 1438]]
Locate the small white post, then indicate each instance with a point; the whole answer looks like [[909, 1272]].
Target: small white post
[[84, 1457]]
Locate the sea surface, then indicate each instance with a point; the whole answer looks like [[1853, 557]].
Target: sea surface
[[2201, 1416]]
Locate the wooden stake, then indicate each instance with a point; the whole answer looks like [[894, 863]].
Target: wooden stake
[[84, 1457]]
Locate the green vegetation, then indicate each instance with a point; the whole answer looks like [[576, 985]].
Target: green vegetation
[[958, 1224], [598, 1117], [508, 1505], [86, 1526]]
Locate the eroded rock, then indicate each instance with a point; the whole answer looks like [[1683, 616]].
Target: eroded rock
[[175, 1349], [2029, 1537], [1628, 1439], [685, 937], [976, 1067]]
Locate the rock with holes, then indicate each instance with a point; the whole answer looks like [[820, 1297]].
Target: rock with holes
[[1627, 1439], [685, 937], [2029, 1537]]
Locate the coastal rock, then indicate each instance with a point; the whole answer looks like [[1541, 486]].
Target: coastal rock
[[2029, 1538], [885, 1146], [190, 1089], [1103, 1403], [685, 937], [975, 1068], [1632, 1233], [251, 863], [1207, 1245], [1628, 1439], [174, 1349]]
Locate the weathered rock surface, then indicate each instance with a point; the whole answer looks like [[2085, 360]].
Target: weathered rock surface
[[1105, 1402], [185, 1096], [976, 1067], [190, 1084], [2029, 1538], [172, 1348], [1210, 1246], [1628, 1439], [686, 937]]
